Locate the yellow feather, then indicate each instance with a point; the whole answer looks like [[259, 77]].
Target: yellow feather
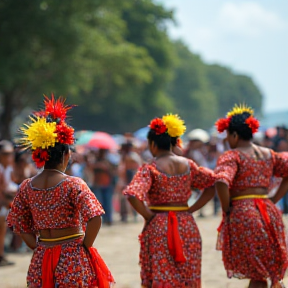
[[39, 134], [175, 125], [240, 109]]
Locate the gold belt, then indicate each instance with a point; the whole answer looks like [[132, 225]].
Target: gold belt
[[250, 197], [61, 238], [168, 208]]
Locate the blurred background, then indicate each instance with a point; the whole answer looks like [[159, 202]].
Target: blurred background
[[136, 59], [123, 63]]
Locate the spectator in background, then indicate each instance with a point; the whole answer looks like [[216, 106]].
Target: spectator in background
[[280, 137], [88, 173], [280, 144], [267, 142], [103, 183], [8, 190], [23, 169], [77, 165], [211, 158], [197, 139], [196, 151], [130, 162]]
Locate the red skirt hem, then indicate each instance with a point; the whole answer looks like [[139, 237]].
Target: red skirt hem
[[252, 241]]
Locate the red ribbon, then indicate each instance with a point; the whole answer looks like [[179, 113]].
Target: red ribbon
[[103, 274], [261, 205], [49, 264], [174, 240]]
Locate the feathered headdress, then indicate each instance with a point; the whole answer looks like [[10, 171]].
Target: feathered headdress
[[223, 123], [46, 128]]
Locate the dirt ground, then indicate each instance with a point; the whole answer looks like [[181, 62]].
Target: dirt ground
[[119, 247]]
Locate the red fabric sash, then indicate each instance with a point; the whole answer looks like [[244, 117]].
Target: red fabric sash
[[103, 274], [174, 241], [261, 205], [49, 264]]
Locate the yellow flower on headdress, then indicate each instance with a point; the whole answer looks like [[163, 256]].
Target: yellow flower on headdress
[[39, 134], [239, 110], [175, 125]]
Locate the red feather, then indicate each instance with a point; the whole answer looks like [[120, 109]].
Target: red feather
[[222, 124], [56, 108], [65, 134], [253, 124], [40, 156]]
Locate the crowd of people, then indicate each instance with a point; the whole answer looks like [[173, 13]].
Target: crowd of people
[[157, 177], [107, 173]]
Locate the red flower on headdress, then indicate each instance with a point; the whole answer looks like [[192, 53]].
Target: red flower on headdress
[[40, 156], [65, 133], [56, 108], [158, 126], [222, 124], [253, 124]]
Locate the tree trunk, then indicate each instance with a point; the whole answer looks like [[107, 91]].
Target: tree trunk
[[6, 116]]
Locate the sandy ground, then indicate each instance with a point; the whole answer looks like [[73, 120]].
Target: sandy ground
[[119, 247]]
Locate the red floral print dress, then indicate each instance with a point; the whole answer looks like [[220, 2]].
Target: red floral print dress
[[252, 237], [68, 204], [158, 267]]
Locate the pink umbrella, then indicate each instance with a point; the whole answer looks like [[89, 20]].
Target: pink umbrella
[[271, 132], [102, 140]]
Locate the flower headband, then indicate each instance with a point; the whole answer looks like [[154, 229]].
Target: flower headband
[[223, 123], [46, 128], [171, 124]]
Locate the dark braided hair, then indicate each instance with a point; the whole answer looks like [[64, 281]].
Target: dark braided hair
[[237, 124], [162, 141], [56, 154]]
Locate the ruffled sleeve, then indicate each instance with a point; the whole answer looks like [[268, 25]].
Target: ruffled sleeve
[[201, 177], [87, 203], [226, 168], [140, 184], [280, 164], [20, 217]]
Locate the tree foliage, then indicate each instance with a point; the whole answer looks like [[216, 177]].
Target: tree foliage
[[112, 58], [190, 90], [231, 89]]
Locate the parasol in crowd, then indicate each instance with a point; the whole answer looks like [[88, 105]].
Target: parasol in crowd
[[83, 137], [141, 134], [102, 140]]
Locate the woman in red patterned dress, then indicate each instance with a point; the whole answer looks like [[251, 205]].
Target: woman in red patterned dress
[[57, 215], [170, 253], [251, 235]]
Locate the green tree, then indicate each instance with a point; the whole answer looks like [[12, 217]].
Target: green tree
[[63, 46], [190, 90], [232, 89], [119, 102]]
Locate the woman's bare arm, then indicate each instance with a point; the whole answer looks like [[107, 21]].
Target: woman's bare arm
[[281, 191], [205, 197], [29, 239], [139, 206], [92, 229], [223, 193]]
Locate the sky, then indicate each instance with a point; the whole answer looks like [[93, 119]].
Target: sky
[[250, 37]]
